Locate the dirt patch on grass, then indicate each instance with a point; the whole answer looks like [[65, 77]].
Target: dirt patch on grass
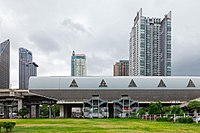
[[44, 125]]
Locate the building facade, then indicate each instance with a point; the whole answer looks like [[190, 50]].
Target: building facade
[[27, 67], [5, 64], [121, 68], [73, 92], [150, 46], [78, 64]]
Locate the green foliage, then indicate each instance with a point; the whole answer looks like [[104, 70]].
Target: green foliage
[[177, 110], [134, 116], [194, 105], [8, 126], [166, 110], [155, 108], [44, 111], [142, 111], [56, 110], [23, 111], [164, 119], [185, 120]]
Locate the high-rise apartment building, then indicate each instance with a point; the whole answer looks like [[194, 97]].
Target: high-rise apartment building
[[150, 46], [121, 68], [78, 64], [27, 67], [5, 64]]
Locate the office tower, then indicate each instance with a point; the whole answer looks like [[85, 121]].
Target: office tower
[[150, 46], [27, 67], [5, 64], [121, 68], [78, 64]]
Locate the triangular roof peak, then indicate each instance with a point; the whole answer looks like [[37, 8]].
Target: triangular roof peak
[[132, 84], [191, 84], [73, 83], [161, 83], [103, 83]]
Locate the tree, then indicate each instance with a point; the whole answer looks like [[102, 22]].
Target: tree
[[166, 110], [142, 111], [194, 105], [23, 111], [44, 111], [56, 110], [177, 110], [155, 108]]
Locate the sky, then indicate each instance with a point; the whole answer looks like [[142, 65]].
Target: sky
[[52, 29]]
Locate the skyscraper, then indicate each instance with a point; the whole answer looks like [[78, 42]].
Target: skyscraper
[[27, 67], [121, 68], [78, 64], [150, 46], [5, 64]]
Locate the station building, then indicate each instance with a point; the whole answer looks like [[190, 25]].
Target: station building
[[112, 96]]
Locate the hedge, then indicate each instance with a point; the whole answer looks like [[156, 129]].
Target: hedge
[[185, 120], [164, 119], [8, 126]]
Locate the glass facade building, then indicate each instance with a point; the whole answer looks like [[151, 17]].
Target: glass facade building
[[78, 64], [5, 64], [121, 68], [27, 67], [150, 46]]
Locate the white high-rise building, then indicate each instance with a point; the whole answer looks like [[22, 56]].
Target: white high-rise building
[[150, 46], [78, 64]]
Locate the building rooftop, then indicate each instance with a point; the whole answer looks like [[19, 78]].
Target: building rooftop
[[121, 82]]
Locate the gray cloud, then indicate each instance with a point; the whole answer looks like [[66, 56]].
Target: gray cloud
[[99, 29], [44, 42], [74, 26]]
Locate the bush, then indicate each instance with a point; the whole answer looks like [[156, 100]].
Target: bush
[[185, 120], [8, 126], [164, 119]]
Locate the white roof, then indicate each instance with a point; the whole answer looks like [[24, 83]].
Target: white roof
[[116, 82]]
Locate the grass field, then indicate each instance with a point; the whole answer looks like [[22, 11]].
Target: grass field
[[100, 125]]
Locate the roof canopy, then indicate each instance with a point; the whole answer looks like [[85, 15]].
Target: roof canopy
[[122, 82]]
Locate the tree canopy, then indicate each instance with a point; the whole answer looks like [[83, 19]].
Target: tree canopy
[[194, 105], [155, 108]]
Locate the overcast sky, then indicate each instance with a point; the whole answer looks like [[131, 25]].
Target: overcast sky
[[52, 29]]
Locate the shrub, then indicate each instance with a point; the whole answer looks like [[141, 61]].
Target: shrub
[[1, 125], [185, 120], [8, 126], [164, 119]]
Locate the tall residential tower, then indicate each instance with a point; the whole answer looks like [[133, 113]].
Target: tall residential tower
[[150, 46], [78, 64], [121, 68], [5, 64], [27, 67]]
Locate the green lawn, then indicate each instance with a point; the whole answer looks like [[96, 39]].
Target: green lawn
[[100, 125]]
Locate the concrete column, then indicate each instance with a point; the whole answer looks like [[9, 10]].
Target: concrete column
[[62, 111], [33, 111], [37, 111], [11, 112], [19, 104], [49, 111]]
